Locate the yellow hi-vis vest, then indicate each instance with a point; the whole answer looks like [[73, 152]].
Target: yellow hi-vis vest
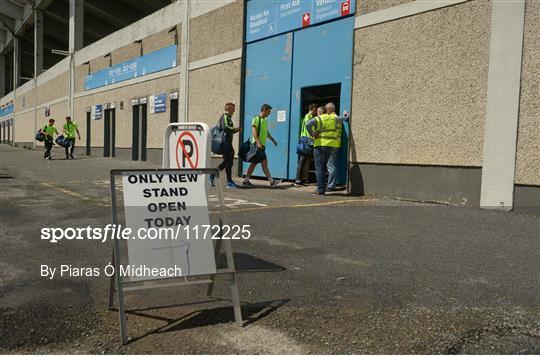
[[326, 126], [339, 129]]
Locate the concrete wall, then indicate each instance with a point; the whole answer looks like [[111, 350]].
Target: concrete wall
[[528, 144], [80, 73], [419, 88], [55, 88], [207, 96], [161, 39], [225, 36], [24, 101], [367, 6], [124, 94], [450, 185], [24, 127], [122, 54], [99, 63]]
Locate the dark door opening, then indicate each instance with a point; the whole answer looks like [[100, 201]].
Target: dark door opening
[[9, 132], [174, 110], [138, 137], [88, 129], [319, 95], [3, 128], [143, 131], [109, 133]]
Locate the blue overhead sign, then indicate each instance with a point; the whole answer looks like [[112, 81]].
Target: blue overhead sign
[[266, 18], [156, 61], [6, 110]]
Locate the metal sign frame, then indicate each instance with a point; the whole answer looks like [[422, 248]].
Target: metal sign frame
[[118, 285]]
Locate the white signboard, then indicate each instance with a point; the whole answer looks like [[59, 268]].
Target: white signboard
[[172, 201], [281, 115], [186, 145]]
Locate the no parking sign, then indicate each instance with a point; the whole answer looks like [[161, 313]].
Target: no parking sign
[[186, 145]]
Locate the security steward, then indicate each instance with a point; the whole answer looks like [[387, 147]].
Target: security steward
[[324, 129], [335, 144]]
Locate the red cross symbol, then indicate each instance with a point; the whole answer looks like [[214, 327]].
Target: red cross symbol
[[345, 8], [306, 19]]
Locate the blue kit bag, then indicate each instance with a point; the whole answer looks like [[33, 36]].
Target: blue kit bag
[[304, 146], [62, 141], [40, 136], [219, 140], [249, 152]]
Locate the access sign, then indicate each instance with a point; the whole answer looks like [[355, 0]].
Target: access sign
[[267, 18]]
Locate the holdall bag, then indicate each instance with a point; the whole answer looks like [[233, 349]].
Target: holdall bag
[[40, 136], [304, 146], [62, 141], [244, 149], [219, 140], [255, 155], [249, 152]]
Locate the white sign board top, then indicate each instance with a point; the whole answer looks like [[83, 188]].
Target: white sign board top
[[172, 200], [187, 145]]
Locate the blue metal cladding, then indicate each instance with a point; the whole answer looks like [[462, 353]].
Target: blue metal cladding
[[156, 61], [271, 17], [268, 81], [322, 55]]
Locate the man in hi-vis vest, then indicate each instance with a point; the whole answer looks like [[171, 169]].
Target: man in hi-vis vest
[[326, 131]]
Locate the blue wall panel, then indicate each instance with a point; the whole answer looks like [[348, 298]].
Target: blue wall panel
[[322, 55], [268, 80], [6, 110], [156, 61]]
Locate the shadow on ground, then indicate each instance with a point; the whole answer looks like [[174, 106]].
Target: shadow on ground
[[245, 263], [251, 312]]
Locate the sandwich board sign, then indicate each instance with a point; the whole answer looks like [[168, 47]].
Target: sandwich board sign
[[175, 200], [186, 145]]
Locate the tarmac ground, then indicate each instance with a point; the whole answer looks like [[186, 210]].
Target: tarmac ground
[[334, 274]]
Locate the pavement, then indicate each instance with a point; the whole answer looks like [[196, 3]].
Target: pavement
[[334, 274]]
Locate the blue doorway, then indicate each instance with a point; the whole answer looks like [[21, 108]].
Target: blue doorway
[[322, 71], [288, 72], [268, 81]]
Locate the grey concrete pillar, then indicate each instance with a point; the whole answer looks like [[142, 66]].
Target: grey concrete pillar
[[2, 75], [16, 62], [503, 93], [76, 25], [183, 89], [76, 32], [38, 42], [38, 59]]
